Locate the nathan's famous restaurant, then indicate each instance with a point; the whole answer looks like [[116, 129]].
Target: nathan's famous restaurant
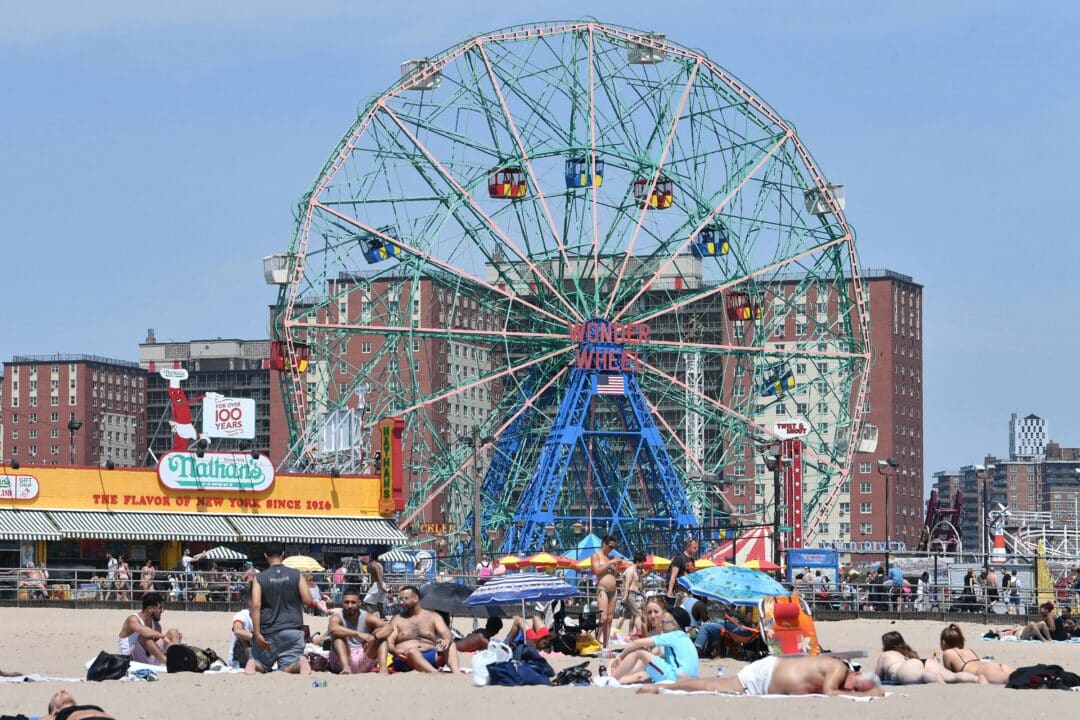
[[70, 517]]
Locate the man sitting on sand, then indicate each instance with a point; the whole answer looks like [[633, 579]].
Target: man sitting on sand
[[419, 639], [357, 647], [773, 675], [141, 637]]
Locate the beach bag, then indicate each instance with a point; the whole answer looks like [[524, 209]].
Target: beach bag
[[513, 674], [108, 666], [1038, 677], [318, 662], [495, 652], [574, 675], [588, 645], [184, 658]]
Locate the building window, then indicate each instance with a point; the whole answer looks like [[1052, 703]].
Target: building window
[[32, 434], [800, 329], [866, 507], [54, 433], [416, 345], [864, 467], [14, 433], [845, 508], [54, 417], [365, 347], [823, 528], [866, 528], [845, 529], [864, 487], [14, 417]]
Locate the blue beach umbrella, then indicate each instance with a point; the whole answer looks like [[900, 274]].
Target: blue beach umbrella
[[521, 588], [732, 585]]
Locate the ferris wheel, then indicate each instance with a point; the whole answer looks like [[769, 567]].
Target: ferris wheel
[[590, 270]]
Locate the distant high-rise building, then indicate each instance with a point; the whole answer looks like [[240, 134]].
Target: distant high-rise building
[[1027, 438], [233, 368], [73, 410]]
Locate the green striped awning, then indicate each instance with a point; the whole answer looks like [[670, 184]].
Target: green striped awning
[[98, 525], [26, 525], [349, 530]]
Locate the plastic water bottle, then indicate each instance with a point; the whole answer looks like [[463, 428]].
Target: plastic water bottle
[[602, 671]]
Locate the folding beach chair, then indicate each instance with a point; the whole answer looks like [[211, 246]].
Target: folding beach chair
[[787, 626]]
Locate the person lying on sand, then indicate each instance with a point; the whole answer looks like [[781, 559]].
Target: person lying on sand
[[773, 675], [959, 659], [62, 706], [900, 664]]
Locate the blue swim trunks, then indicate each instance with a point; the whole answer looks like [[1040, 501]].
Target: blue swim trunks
[[400, 665]]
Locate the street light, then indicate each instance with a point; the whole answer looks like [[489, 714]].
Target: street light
[[72, 426], [887, 469], [985, 475], [775, 463]]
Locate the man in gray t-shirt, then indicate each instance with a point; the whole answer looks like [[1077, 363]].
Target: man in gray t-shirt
[[278, 597]]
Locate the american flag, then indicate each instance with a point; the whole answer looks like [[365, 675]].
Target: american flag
[[611, 385]]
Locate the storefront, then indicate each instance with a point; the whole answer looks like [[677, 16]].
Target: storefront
[[72, 517]]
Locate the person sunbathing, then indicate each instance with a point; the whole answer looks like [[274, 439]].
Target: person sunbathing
[[821, 674], [900, 664], [62, 706], [959, 659], [419, 639], [478, 639]]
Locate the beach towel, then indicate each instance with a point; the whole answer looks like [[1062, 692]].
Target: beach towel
[[38, 678], [856, 698]]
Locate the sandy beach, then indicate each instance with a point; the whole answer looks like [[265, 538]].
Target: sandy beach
[[55, 641]]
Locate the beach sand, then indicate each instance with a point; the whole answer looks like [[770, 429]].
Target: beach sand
[[56, 641]]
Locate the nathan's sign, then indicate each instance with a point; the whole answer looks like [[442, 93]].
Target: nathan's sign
[[226, 472], [18, 487]]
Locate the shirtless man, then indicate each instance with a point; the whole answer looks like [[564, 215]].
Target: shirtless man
[[604, 568], [33, 581], [358, 637], [141, 637], [419, 639], [633, 598], [774, 675]]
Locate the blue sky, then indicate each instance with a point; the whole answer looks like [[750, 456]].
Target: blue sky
[[151, 154]]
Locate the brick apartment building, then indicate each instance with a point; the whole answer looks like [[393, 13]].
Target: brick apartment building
[[45, 396], [894, 406]]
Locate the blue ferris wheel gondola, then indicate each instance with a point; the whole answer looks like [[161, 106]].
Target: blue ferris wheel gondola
[[377, 248]]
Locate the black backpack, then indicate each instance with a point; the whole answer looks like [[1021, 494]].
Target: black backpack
[[184, 658], [1037, 677]]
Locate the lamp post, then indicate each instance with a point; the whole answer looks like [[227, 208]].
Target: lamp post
[[775, 463], [887, 469], [72, 426], [985, 475]]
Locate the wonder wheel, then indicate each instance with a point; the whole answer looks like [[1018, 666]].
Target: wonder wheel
[[591, 270]]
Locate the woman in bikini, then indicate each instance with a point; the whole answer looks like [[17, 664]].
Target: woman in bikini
[[960, 659], [604, 568], [900, 664]]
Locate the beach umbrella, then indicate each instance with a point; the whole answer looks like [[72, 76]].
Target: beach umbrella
[[221, 553], [702, 563], [520, 588], [760, 564], [655, 563], [303, 563], [450, 598], [585, 564], [732, 585], [541, 561], [510, 562], [567, 563]]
